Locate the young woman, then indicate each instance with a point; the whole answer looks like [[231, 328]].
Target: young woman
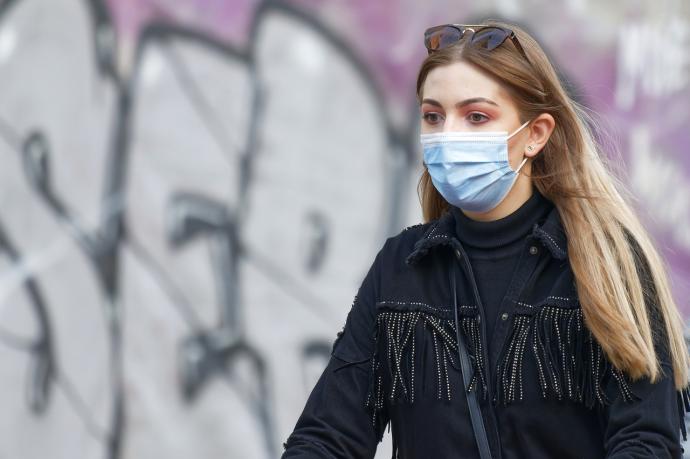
[[530, 316]]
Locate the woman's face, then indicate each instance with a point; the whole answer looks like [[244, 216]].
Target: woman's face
[[459, 97]]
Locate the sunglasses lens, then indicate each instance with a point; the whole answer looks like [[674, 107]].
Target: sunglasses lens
[[490, 37], [439, 37]]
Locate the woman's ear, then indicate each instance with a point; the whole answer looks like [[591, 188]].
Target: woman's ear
[[540, 131]]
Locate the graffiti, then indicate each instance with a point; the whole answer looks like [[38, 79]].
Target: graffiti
[[662, 185], [168, 60], [186, 211], [652, 60]]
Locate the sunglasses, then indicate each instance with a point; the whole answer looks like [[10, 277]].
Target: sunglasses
[[487, 37]]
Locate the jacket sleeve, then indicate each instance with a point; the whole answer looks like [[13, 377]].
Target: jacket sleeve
[[648, 426], [336, 422]]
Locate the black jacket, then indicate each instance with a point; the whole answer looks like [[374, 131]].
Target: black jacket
[[546, 389]]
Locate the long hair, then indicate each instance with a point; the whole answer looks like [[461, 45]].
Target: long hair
[[621, 279]]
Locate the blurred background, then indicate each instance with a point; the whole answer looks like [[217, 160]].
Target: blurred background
[[191, 192]]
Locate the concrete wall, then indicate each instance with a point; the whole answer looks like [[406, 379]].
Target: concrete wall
[[192, 191]]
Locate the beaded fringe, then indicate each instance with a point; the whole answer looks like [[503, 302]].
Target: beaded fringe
[[572, 366], [570, 363], [394, 337]]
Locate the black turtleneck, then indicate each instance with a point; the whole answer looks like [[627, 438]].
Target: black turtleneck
[[493, 248]]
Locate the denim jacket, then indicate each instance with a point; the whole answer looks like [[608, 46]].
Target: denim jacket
[[545, 387]]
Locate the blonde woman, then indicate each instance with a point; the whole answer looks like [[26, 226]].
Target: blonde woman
[[530, 316]]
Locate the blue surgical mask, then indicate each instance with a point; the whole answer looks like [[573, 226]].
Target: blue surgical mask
[[470, 169]]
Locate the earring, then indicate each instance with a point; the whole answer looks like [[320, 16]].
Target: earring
[[530, 148]]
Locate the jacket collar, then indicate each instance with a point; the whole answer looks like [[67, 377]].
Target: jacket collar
[[442, 232]]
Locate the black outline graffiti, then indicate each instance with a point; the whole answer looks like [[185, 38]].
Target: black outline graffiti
[[206, 352]]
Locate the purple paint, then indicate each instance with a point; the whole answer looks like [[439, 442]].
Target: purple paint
[[387, 37]]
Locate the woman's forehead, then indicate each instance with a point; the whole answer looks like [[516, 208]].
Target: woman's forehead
[[459, 81]]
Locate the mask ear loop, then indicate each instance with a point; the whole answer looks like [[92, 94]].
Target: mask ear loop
[[521, 164], [518, 129], [511, 135]]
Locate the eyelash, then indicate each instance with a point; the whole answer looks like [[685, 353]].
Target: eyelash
[[426, 117], [480, 114]]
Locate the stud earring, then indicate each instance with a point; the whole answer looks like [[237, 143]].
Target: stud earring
[[530, 148]]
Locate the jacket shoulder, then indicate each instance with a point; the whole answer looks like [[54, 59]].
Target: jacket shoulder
[[399, 245]]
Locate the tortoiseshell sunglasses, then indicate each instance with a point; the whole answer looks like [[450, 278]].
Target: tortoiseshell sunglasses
[[489, 37]]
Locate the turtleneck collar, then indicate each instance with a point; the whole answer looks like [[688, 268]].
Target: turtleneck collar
[[504, 236]]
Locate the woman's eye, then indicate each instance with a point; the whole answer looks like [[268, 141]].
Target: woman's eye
[[431, 118], [477, 117]]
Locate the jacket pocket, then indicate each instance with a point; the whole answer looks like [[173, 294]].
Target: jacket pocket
[[567, 361]]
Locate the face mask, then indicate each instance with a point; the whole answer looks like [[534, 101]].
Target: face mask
[[470, 169]]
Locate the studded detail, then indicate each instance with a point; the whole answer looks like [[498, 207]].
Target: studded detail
[[395, 336], [570, 362], [416, 225], [510, 368], [469, 326]]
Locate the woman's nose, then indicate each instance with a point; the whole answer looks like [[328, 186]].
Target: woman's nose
[[453, 124]]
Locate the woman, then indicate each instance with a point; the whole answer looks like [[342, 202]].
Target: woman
[[559, 322]]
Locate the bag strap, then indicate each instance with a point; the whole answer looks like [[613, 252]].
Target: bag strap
[[475, 412]]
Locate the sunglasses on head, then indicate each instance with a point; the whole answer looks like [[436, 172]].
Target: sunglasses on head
[[487, 37]]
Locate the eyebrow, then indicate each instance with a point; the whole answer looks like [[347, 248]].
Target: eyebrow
[[462, 103]]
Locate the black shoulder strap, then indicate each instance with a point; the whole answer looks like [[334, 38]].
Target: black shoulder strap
[[465, 365]]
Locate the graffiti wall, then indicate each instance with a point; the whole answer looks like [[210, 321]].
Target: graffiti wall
[[191, 193]]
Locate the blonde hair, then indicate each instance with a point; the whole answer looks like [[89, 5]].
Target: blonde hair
[[621, 279]]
